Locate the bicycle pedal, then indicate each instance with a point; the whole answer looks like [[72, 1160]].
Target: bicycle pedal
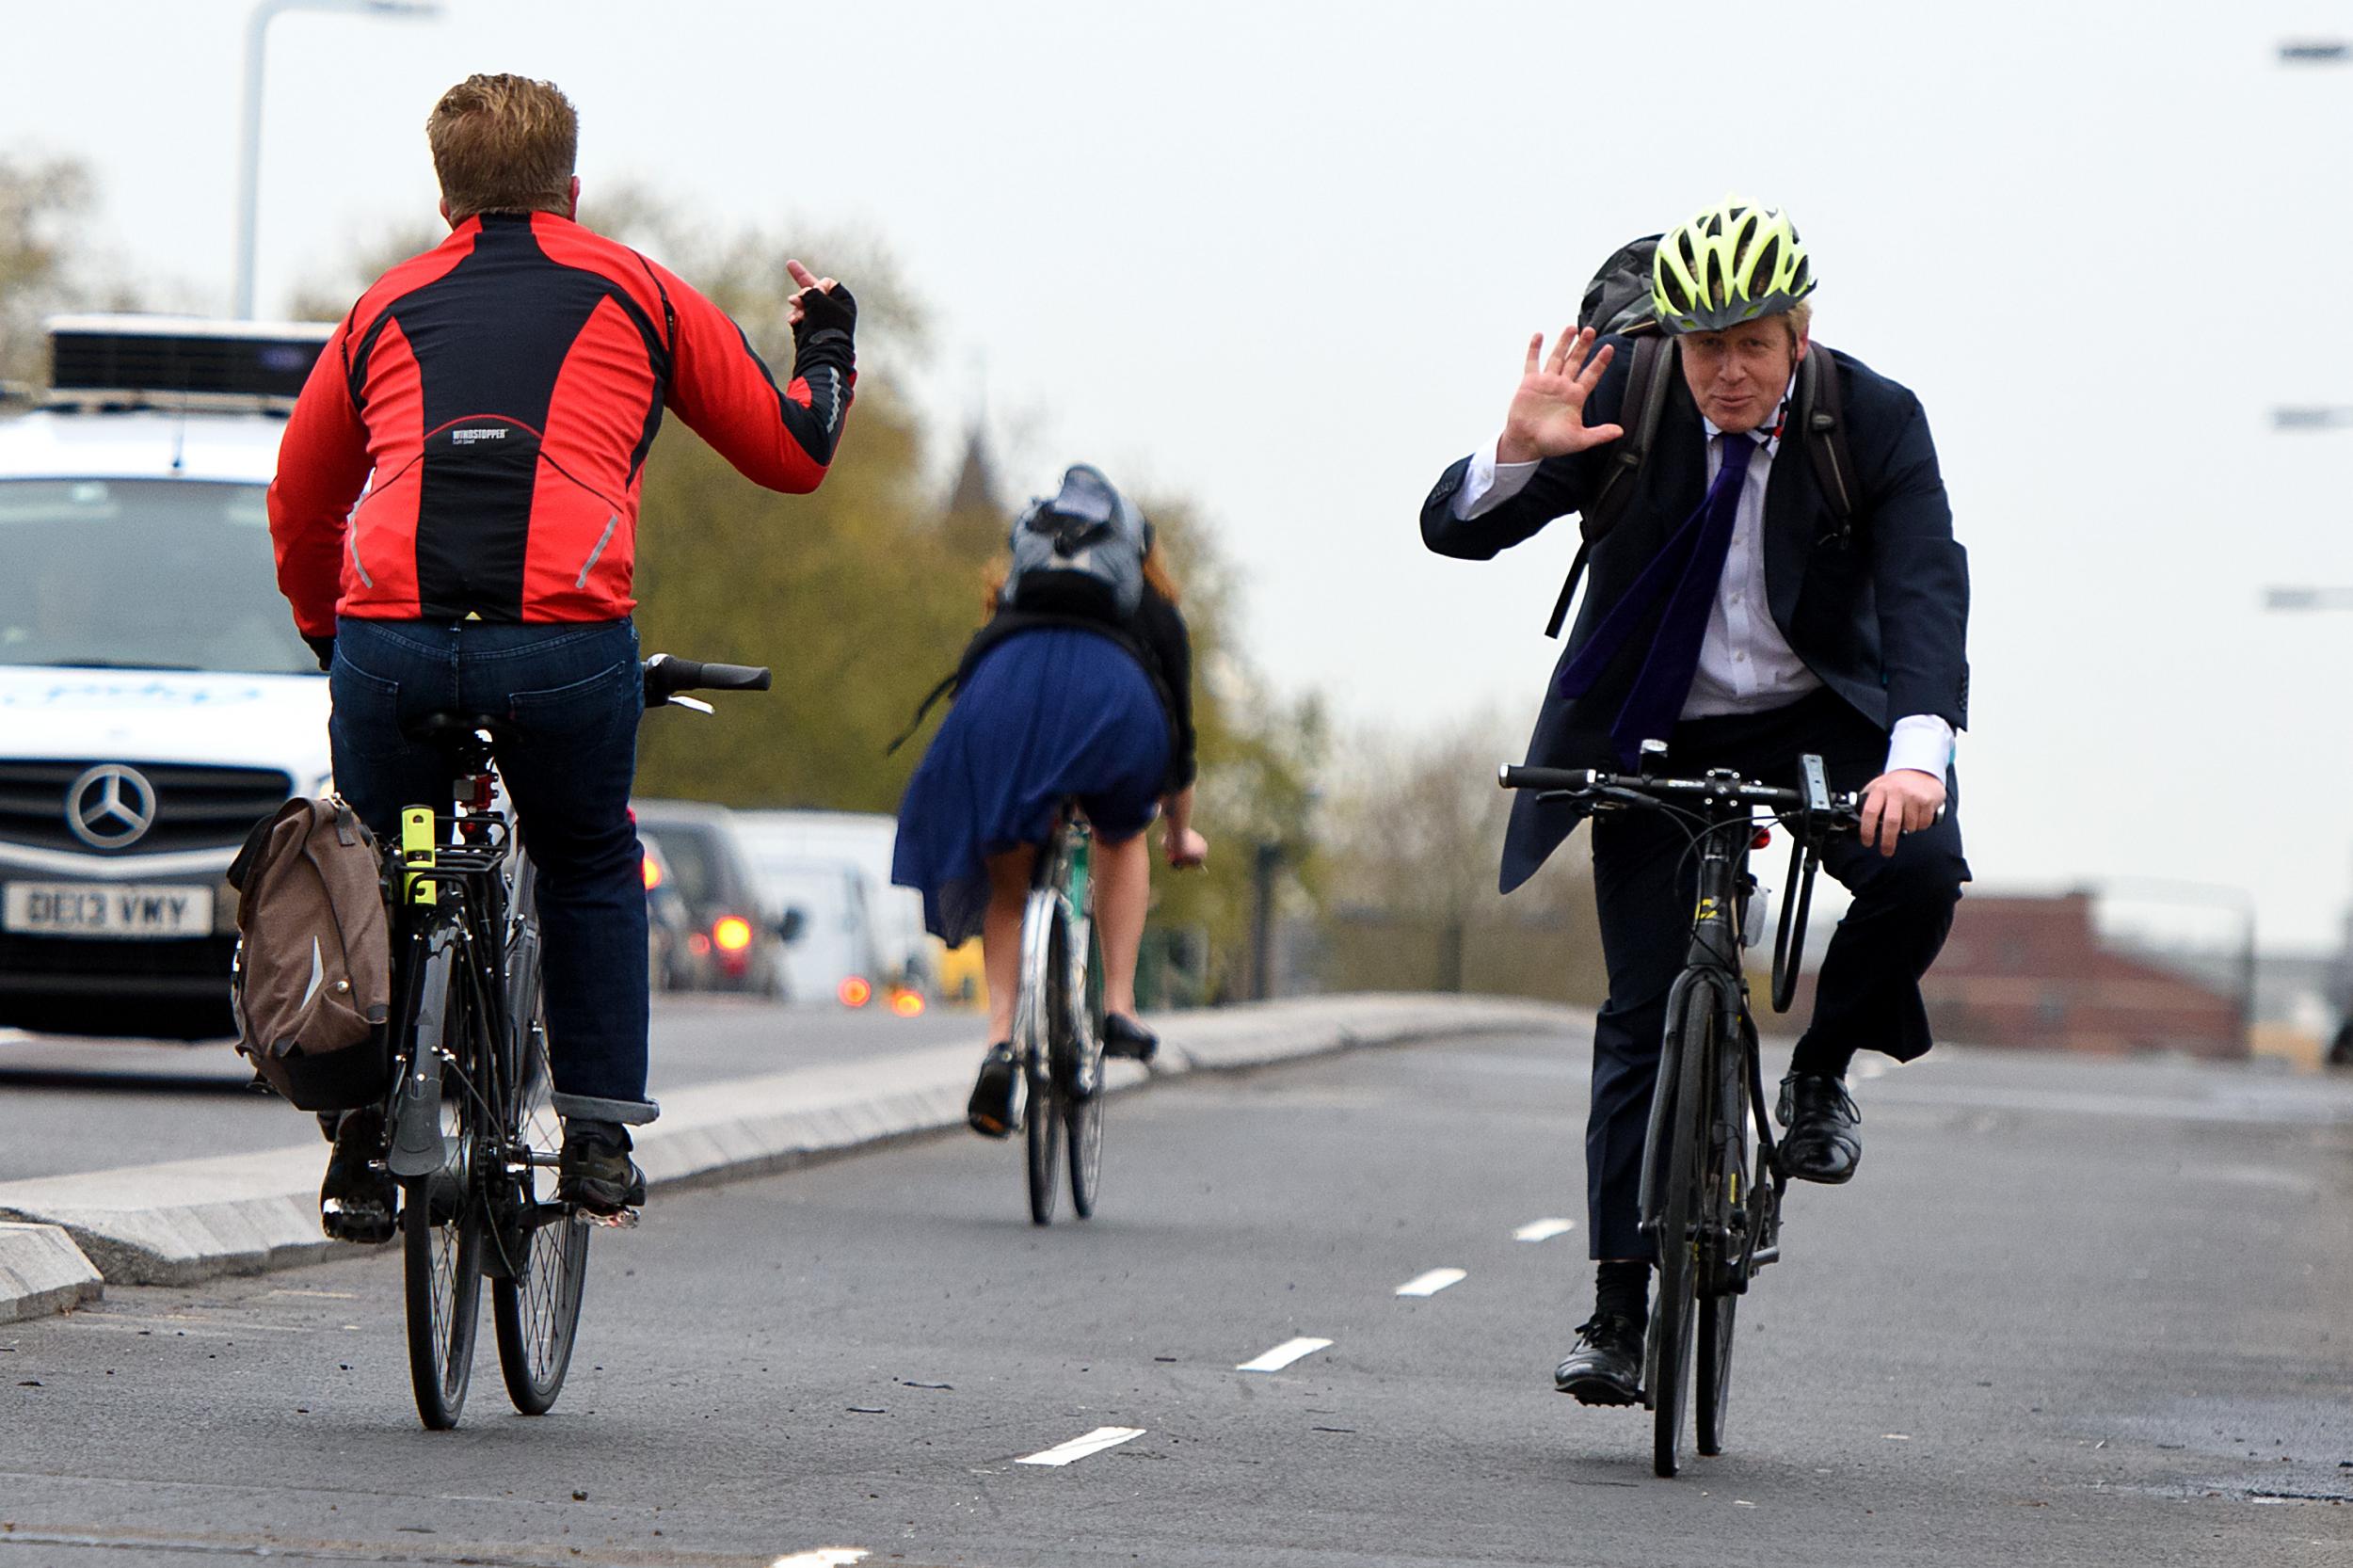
[[620, 1219]]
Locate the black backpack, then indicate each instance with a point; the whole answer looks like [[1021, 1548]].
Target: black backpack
[[1618, 300]]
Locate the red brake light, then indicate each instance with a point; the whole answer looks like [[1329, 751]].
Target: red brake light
[[856, 991], [732, 933], [1764, 837], [653, 874], [907, 1004]]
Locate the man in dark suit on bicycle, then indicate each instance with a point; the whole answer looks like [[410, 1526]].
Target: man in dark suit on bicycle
[[456, 521], [1736, 615]]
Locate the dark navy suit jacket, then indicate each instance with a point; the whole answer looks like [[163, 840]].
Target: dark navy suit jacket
[[1881, 619]]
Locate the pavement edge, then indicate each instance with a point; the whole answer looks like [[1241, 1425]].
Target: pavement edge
[[192, 1220]]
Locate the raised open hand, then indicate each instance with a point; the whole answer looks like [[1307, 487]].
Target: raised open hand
[[1547, 413]]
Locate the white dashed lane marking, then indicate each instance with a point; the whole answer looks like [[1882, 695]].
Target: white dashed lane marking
[[824, 1557], [1433, 1282], [1283, 1355], [1079, 1448], [1543, 1230]]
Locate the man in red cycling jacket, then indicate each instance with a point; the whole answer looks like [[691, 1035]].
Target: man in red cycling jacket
[[455, 517]]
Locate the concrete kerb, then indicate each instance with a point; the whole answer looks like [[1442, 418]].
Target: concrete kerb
[[191, 1220], [43, 1271]]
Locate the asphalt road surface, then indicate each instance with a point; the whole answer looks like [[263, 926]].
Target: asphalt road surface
[[2069, 1313], [74, 1104]]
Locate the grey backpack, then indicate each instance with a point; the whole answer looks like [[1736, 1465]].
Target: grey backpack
[[1079, 551]]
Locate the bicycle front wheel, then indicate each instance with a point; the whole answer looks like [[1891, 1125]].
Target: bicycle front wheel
[[1730, 1215], [441, 1220], [1673, 1319], [535, 1300], [1084, 1117]]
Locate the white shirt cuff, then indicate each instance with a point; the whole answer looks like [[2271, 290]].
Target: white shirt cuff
[[1488, 484], [1921, 741]]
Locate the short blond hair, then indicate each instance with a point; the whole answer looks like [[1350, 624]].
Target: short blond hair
[[504, 144]]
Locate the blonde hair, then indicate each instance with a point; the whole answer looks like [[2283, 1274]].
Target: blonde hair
[[504, 144]]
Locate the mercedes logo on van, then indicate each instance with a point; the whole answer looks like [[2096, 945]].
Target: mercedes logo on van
[[110, 806]]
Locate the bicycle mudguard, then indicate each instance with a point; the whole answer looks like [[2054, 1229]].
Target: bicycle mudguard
[[417, 1149]]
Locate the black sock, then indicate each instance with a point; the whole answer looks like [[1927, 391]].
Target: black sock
[[1623, 1288], [1814, 1056]]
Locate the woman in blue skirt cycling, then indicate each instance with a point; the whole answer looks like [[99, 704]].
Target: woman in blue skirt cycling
[[1079, 687]]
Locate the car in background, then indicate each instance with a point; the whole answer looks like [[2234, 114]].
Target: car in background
[[670, 929], [790, 844], [735, 940], [834, 955], [154, 699]]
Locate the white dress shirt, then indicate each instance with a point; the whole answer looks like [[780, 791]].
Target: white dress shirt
[[1746, 665]]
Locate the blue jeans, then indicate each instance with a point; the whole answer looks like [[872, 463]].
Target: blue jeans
[[567, 699]]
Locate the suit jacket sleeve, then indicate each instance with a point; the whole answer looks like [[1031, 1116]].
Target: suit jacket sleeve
[[1921, 578]]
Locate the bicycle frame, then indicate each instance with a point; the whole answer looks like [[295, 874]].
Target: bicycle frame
[[1712, 977]]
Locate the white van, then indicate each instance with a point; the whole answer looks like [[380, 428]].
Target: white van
[[154, 699], [835, 867]]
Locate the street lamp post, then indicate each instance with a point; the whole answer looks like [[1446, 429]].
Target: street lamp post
[[250, 149]]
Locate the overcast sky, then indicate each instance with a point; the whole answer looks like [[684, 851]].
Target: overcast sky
[[1283, 257]]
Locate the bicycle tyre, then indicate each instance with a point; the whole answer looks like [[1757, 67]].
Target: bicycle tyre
[[1043, 1124], [1673, 1323], [442, 1222], [536, 1306], [1730, 1178], [1083, 1118]]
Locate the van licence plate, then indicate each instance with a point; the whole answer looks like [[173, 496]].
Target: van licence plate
[[117, 909]]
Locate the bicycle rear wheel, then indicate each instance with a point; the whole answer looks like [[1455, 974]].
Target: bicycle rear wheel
[[1674, 1318], [535, 1303], [1038, 1024], [1084, 1117], [441, 1219], [1729, 1223]]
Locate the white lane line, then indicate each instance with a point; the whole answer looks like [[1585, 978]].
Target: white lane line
[[824, 1557], [1433, 1282], [1284, 1354], [1543, 1230], [1079, 1448]]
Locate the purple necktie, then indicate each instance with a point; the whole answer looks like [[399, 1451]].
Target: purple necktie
[[1692, 562]]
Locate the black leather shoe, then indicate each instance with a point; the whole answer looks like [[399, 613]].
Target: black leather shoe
[[359, 1200], [596, 1173], [1822, 1142], [1607, 1366], [1124, 1036], [990, 1110]]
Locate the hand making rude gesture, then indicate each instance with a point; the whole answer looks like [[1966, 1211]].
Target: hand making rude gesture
[[807, 280], [1547, 413]]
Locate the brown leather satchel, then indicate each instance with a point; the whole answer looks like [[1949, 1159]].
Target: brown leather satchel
[[313, 974]]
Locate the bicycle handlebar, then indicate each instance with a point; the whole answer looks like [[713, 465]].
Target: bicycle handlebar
[[1728, 792], [668, 675]]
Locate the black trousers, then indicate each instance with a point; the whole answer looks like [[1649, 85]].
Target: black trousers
[[1868, 997]]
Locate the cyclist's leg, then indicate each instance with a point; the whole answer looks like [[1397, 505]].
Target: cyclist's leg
[[1868, 997], [1123, 896], [570, 698], [383, 673], [1000, 936], [1643, 893]]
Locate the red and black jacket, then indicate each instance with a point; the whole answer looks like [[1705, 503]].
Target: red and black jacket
[[489, 405]]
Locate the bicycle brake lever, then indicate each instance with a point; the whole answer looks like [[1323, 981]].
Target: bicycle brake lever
[[698, 704]]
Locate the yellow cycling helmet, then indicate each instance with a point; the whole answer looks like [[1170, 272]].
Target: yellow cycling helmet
[[1734, 262]]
